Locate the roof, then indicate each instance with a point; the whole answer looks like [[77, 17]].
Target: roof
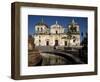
[[73, 22], [41, 23], [56, 25]]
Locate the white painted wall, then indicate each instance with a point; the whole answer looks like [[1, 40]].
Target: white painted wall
[[41, 29], [40, 40], [5, 38]]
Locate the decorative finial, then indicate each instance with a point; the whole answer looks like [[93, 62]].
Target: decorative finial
[[42, 20], [73, 21], [56, 22]]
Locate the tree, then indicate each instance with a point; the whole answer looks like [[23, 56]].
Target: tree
[[82, 35], [86, 34], [84, 49]]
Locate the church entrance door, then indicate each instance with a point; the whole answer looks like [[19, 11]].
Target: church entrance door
[[56, 42], [47, 43], [65, 43]]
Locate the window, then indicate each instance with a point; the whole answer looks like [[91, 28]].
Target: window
[[37, 29], [65, 43], [74, 40], [56, 32], [56, 42], [74, 37], [41, 29], [39, 40], [47, 43]]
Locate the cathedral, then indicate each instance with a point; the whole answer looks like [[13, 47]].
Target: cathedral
[[56, 34]]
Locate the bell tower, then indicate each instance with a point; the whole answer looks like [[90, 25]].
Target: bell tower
[[41, 27], [73, 27]]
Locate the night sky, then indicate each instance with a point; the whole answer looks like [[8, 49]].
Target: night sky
[[50, 20]]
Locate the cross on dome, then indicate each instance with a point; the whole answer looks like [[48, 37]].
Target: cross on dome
[[42, 20]]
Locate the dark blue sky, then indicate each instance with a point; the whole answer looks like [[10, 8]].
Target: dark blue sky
[[49, 20]]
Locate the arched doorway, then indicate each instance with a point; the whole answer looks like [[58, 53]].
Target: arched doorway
[[65, 43], [56, 42], [47, 43]]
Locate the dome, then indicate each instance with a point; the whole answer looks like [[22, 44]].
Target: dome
[[56, 25], [41, 23]]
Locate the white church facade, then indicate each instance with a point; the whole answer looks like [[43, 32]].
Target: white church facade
[[56, 34]]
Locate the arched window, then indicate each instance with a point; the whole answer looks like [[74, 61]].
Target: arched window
[[56, 32], [38, 29], [65, 43], [47, 43], [74, 40], [41, 29]]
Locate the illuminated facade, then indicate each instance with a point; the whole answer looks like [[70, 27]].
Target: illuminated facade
[[57, 35]]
